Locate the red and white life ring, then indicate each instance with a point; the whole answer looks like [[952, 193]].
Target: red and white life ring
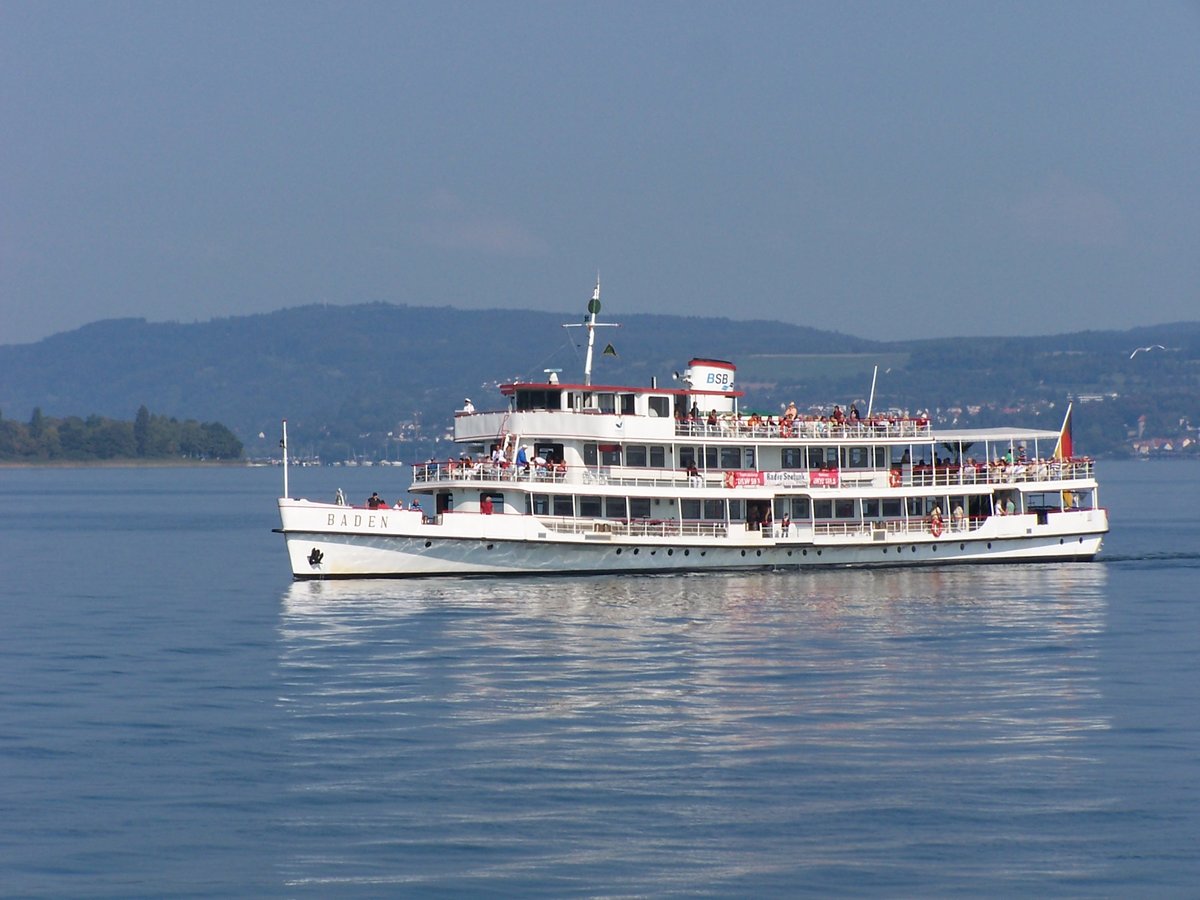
[[895, 479], [935, 527]]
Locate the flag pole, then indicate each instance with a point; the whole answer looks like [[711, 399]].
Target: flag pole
[[283, 444]]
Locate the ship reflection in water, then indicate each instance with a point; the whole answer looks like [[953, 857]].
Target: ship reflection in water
[[715, 733]]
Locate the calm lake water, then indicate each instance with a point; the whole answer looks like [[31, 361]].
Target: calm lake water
[[177, 718]]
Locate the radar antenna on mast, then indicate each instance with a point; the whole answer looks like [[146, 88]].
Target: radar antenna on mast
[[591, 324]]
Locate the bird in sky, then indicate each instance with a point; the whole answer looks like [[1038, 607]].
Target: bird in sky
[[1146, 349]]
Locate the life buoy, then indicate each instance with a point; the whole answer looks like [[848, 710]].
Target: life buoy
[[895, 479], [785, 430], [935, 527]]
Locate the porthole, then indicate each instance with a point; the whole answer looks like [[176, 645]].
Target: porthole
[[789, 553], [429, 544], [654, 553], [1061, 541], [935, 548], [490, 546], [989, 545], [687, 552], [758, 553], [704, 553], [885, 549], [805, 552], [743, 553], [914, 548], [818, 553], [962, 546], [670, 553], [1081, 539], [636, 551], [618, 551]]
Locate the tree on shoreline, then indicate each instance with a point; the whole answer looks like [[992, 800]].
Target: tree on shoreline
[[47, 439]]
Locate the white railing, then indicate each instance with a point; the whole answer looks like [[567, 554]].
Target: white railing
[[1016, 473], [895, 526], [637, 527], [424, 473], [906, 476], [728, 427]]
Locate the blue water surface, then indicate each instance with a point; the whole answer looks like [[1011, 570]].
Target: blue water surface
[[177, 718]]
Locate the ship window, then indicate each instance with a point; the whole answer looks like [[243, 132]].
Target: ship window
[[661, 407], [881, 457], [844, 509], [563, 505], [539, 399], [614, 508], [856, 457], [537, 504], [731, 457], [794, 458], [635, 455], [871, 508], [590, 506], [822, 509], [893, 508], [607, 402], [689, 509], [714, 509], [749, 457], [711, 458], [822, 457], [639, 507], [627, 401], [610, 454], [590, 455], [687, 457], [800, 509], [497, 501], [737, 510], [658, 457]]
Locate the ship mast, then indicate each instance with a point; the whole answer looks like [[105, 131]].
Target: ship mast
[[591, 324]]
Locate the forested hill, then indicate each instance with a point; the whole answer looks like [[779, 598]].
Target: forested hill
[[346, 376]]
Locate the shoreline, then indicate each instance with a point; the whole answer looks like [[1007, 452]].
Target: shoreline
[[122, 464]]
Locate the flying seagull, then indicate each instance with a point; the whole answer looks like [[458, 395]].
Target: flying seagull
[[1147, 349]]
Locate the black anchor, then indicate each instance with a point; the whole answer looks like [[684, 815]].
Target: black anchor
[[314, 558]]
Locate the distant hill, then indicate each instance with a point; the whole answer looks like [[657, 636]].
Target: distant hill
[[344, 376]]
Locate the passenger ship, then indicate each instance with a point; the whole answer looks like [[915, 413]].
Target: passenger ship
[[593, 478]]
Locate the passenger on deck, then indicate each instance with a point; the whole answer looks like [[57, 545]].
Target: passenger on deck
[[375, 501], [399, 504], [693, 475]]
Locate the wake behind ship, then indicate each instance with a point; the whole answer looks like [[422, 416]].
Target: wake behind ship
[[582, 478]]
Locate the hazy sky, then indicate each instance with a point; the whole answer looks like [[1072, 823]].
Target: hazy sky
[[883, 169]]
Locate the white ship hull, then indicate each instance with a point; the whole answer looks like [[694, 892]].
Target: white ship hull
[[395, 544]]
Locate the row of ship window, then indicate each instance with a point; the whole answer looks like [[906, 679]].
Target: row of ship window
[[656, 457], [798, 508]]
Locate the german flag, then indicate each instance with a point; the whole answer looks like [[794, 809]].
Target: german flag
[[1064, 449]]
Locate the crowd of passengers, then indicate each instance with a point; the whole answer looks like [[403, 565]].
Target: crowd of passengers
[[792, 423]]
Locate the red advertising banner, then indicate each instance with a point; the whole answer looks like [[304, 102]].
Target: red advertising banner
[[823, 478], [743, 479]]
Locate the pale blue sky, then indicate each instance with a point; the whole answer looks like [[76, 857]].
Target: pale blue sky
[[889, 170]]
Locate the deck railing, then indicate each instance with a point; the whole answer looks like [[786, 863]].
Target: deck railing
[[805, 428], [637, 527], [901, 476]]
